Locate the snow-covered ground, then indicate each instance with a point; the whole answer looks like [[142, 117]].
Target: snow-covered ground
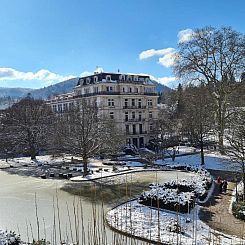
[[141, 221], [214, 161]]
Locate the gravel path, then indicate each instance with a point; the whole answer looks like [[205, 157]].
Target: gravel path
[[216, 213]]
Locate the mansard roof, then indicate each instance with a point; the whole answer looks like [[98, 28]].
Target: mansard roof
[[114, 77]]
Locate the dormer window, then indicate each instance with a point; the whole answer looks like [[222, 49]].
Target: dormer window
[[147, 80], [95, 79], [108, 78], [88, 80], [135, 78], [122, 77], [129, 78], [81, 82]]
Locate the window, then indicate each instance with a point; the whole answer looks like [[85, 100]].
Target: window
[[133, 102], [127, 129], [140, 115], [134, 129], [95, 79], [109, 88], [150, 114], [60, 108], [135, 78], [130, 90], [129, 78], [151, 127], [136, 90], [150, 104], [126, 116], [139, 103], [123, 90], [96, 89], [71, 105], [108, 78], [126, 103], [111, 115], [65, 106], [88, 80], [54, 108], [141, 128], [86, 91], [111, 102], [122, 77], [133, 114]]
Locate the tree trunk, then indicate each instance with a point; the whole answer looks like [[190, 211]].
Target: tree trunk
[[202, 154], [201, 144], [221, 142], [85, 166], [33, 153], [243, 179], [221, 124]]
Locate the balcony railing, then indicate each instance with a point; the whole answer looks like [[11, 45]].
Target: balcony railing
[[134, 107], [110, 93], [136, 133], [134, 120]]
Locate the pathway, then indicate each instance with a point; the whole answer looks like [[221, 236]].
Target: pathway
[[216, 213]]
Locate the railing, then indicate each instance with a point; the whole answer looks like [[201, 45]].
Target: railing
[[97, 93], [110, 93], [134, 120], [134, 107], [136, 133], [150, 94]]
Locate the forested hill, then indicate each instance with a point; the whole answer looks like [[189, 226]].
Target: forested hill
[[58, 88], [55, 89], [14, 92]]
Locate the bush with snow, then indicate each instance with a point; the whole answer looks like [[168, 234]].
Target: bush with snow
[[238, 204], [9, 238], [178, 195]]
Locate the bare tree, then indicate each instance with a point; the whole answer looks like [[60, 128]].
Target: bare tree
[[84, 133], [26, 125], [236, 139], [215, 57], [198, 116]]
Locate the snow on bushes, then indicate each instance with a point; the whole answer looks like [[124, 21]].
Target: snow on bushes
[[9, 238], [178, 195], [238, 203]]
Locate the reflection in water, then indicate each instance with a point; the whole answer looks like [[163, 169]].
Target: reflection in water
[[61, 216]]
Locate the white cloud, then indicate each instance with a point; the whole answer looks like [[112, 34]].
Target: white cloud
[[99, 70], [185, 35], [153, 52], [44, 75], [85, 74], [168, 81], [167, 60]]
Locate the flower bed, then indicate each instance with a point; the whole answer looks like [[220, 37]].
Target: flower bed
[[178, 195]]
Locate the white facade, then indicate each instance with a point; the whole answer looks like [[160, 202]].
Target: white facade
[[130, 100]]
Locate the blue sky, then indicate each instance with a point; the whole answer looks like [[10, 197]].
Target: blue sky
[[46, 41]]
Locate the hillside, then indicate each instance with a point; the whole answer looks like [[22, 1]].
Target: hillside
[[58, 88], [14, 92]]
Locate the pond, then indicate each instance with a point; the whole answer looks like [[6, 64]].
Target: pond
[[59, 214]]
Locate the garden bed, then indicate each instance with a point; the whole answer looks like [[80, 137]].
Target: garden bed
[[178, 195]]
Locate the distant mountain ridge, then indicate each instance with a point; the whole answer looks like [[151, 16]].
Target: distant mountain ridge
[[14, 92], [55, 89]]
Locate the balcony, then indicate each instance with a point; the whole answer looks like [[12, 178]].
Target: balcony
[[134, 120], [151, 94], [128, 107], [97, 93], [136, 133]]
